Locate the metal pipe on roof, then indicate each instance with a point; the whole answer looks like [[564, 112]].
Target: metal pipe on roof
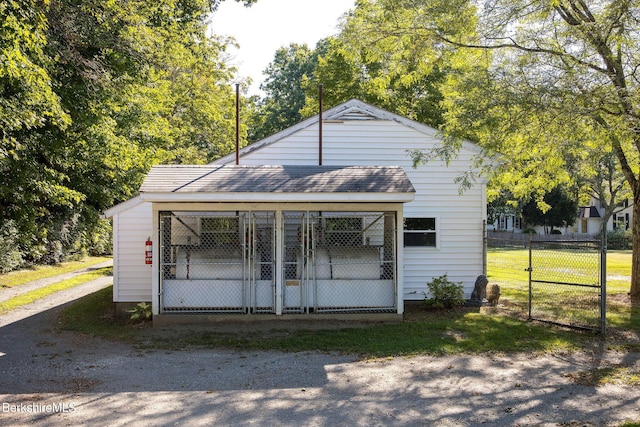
[[320, 125], [237, 123]]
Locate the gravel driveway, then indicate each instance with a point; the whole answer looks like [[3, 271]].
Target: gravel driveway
[[50, 378]]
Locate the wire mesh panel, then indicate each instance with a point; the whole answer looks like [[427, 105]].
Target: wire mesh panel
[[295, 262], [508, 267], [261, 244], [353, 261], [216, 262], [339, 261], [565, 285]]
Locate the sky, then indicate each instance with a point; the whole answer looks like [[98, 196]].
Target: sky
[[268, 25]]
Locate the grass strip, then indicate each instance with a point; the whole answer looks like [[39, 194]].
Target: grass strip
[[607, 375], [29, 297], [423, 331], [20, 277]]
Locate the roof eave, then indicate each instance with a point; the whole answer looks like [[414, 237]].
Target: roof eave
[[121, 207], [278, 197]]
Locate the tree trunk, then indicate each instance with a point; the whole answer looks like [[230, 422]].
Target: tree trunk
[[635, 260]]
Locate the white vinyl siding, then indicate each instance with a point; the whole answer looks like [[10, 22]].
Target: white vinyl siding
[[132, 277], [386, 143]]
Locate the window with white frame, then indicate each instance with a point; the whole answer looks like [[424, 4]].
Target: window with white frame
[[420, 232]]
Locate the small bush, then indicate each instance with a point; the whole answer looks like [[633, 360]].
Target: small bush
[[444, 293], [141, 312], [619, 239], [555, 231], [529, 231]]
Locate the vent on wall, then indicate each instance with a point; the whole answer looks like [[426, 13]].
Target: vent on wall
[[356, 116]]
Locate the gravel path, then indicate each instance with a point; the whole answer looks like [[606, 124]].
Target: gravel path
[[52, 378], [53, 300]]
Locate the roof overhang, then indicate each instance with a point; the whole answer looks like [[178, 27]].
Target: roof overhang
[[277, 197], [277, 184], [121, 207]]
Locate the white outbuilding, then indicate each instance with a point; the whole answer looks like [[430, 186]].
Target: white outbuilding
[[327, 217]]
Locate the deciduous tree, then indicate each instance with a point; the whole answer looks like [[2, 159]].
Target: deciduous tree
[[562, 65], [92, 94]]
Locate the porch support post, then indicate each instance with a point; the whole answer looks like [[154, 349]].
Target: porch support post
[[279, 255], [155, 266], [400, 259]]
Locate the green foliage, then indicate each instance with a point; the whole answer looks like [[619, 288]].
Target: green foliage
[[27, 100], [10, 255], [359, 64], [444, 293], [141, 312], [284, 90], [619, 239], [395, 69], [560, 209], [92, 94]]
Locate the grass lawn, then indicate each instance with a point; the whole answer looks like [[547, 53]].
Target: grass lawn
[[36, 294], [16, 278], [507, 267], [423, 331], [464, 330]]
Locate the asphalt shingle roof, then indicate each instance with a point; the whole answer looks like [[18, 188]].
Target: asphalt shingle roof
[[276, 179]]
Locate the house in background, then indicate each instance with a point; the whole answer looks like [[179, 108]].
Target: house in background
[[505, 221], [590, 218], [298, 227], [588, 221]]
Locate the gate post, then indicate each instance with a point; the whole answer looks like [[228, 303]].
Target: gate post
[[530, 269], [603, 282], [279, 264]]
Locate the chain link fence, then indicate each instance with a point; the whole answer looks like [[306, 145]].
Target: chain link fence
[[553, 281], [565, 285], [339, 262], [217, 262], [227, 261]]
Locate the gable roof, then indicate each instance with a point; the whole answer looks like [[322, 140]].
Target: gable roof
[[353, 109], [589, 212], [277, 183]]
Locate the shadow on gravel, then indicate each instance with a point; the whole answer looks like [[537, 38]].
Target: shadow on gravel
[[36, 357], [108, 381]]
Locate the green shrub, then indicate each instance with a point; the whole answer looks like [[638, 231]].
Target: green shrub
[[555, 231], [444, 293], [10, 254], [529, 231], [618, 239], [141, 312]]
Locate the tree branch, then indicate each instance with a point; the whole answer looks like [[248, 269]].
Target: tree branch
[[514, 45]]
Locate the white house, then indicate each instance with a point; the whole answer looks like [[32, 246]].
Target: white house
[[590, 217], [337, 221]]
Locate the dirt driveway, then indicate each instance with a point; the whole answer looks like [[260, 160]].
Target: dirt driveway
[[50, 378]]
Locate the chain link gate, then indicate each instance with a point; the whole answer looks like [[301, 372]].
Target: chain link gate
[[339, 262], [217, 262], [567, 283]]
